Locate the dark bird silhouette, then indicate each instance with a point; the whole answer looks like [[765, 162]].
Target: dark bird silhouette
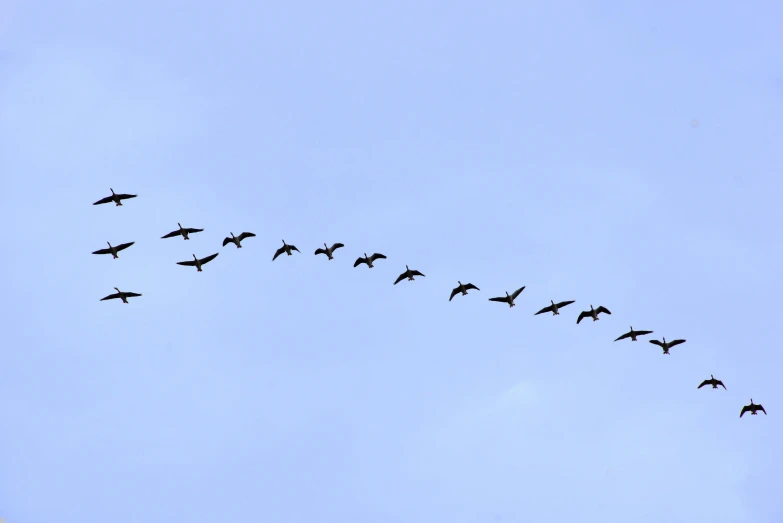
[[554, 308], [329, 250], [369, 259], [666, 345], [463, 289], [195, 262], [712, 381], [407, 274], [752, 408], [182, 231], [237, 239], [633, 334], [592, 313], [509, 298], [114, 250], [285, 249], [121, 295], [116, 198]]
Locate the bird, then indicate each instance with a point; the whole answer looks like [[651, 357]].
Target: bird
[[509, 298], [752, 408], [463, 289], [554, 308], [285, 249], [368, 259], [236, 239], [116, 198], [407, 274], [121, 295], [633, 334], [329, 250], [712, 381], [114, 250], [592, 313], [195, 262], [666, 345], [181, 231]]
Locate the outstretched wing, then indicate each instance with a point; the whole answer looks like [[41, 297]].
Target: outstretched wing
[[501, 298], [191, 231], [642, 333], [111, 296], [602, 309], [564, 303], [545, 309], [762, 409], [278, 252], [719, 382], [417, 273], [400, 278], [123, 246], [471, 286], [102, 251], [191, 263], [454, 293], [359, 261], [172, 234], [675, 342], [103, 200], [337, 246], [582, 315], [703, 383], [245, 235], [227, 240], [208, 258], [377, 256], [516, 292], [745, 409], [125, 196], [320, 251], [626, 335], [293, 248], [132, 294], [656, 342]]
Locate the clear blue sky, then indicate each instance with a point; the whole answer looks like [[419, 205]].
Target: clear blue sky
[[549, 144]]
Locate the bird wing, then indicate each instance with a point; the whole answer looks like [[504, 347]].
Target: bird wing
[[208, 258], [293, 248], [500, 298], [191, 231], [516, 292], [337, 246], [564, 303], [172, 234], [582, 315], [111, 296], [762, 409], [602, 309], [642, 333], [191, 263], [132, 294], [102, 251], [417, 273], [745, 409], [226, 241], [675, 342], [103, 200], [400, 278], [320, 251], [471, 286], [545, 309], [719, 382], [703, 383], [454, 293], [377, 256], [656, 342], [245, 235], [626, 335], [125, 196], [359, 261], [278, 252], [123, 246]]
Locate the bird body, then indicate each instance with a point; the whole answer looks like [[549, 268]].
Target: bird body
[[237, 239], [554, 308], [408, 274], [666, 345], [329, 250], [753, 408], [113, 250], [509, 298], [593, 313], [712, 381], [195, 262], [368, 259], [463, 289], [121, 295], [116, 198], [633, 334], [285, 249]]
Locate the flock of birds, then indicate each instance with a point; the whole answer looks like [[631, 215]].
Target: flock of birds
[[409, 274]]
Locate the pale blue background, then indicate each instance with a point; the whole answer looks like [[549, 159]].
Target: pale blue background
[[546, 144]]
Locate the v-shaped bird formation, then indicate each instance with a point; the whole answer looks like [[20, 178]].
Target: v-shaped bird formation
[[409, 274]]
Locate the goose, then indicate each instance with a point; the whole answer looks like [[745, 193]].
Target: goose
[[463, 289], [114, 250], [285, 249], [554, 308], [407, 274], [116, 198], [183, 231], [633, 334], [666, 345], [509, 298], [592, 313], [369, 259], [195, 262], [121, 295], [236, 239], [752, 408], [712, 381], [329, 250]]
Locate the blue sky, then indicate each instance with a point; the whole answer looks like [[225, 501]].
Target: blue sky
[[550, 145]]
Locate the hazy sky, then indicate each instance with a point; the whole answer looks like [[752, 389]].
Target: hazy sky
[[613, 154]]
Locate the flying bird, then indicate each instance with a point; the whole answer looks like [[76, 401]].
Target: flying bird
[[463, 289], [181, 231], [285, 249], [509, 298], [114, 250], [712, 381], [666, 345], [752, 408], [368, 259], [592, 313], [633, 334], [116, 198], [121, 295], [554, 308], [237, 239], [407, 274], [329, 250], [195, 262]]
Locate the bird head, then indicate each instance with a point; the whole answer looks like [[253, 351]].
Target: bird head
[[112, 190], [118, 290], [365, 255], [459, 282]]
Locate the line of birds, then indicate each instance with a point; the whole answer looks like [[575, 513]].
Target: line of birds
[[409, 274]]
